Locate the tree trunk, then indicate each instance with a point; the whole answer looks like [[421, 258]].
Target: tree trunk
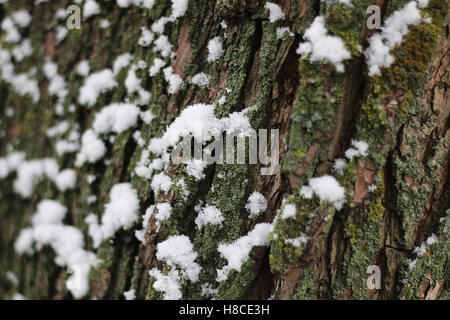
[[396, 194]]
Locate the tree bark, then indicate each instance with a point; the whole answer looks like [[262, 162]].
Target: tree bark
[[397, 196]]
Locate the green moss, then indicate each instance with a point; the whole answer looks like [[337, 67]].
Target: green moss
[[321, 92], [352, 231], [407, 73], [376, 210], [227, 193], [237, 58], [153, 294], [318, 97], [306, 287], [348, 22], [282, 252], [435, 263], [238, 282], [102, 272]]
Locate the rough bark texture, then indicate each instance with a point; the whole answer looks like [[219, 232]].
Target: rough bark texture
[[402, 114]]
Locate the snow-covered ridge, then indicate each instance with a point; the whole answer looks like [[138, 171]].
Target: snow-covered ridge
[[237, 252]]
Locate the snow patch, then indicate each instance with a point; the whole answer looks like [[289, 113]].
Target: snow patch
[[66, 241], [209, 215], [120, 212], [394, 29], [327, 188], [215, 49], [275, 12], [237, 252], [96, 84], [256, 204], [323, 47]]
